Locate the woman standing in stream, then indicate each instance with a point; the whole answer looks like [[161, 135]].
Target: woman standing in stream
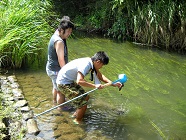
[[58, 56]]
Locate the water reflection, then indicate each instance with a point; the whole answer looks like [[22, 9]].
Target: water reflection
[[150, 106]]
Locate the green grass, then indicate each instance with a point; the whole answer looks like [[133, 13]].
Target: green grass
[[24, 30]]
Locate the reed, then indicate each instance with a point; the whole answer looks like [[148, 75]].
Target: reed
[[158, 130], [159, 23], [24, 30], [162, 24]]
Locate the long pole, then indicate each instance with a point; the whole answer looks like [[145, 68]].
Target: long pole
[[122, 79], [64, 103]]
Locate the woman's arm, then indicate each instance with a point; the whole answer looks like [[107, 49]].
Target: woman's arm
[[59, 46]]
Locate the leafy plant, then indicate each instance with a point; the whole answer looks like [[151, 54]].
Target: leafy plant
[[24, 30], [158, 23]]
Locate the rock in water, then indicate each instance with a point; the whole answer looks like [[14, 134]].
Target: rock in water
[[32, 127]]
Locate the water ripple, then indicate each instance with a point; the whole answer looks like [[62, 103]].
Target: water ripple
[[105, 120]]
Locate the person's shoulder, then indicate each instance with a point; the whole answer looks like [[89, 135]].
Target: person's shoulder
[[82, 60], [85, 59], [56, 37]]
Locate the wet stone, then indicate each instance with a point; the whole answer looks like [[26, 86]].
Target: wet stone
[[28, 115], [17, 92], [19, 98], [20, 103], [12, 78], [6, 89], [4, 82], [25, 109], [2, 77], [21, 113], [32, 127], [14, 85]]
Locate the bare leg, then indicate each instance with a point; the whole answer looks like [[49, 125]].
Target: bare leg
[[60, 99], [54, 92], [80, 112]]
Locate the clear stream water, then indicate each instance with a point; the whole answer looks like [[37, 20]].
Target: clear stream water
[[151, 106]]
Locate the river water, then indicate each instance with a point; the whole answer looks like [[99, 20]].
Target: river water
[[151, 106]]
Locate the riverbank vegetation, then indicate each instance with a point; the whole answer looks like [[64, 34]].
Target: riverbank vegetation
[[160, 23], [25, 26], [24, 31]]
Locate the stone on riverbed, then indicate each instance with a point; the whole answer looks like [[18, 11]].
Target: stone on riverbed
[[12, 78], [20, 103], [6, 89], [32, 127], [14, 85], [28, 115], [25, 109], [20, 121], [17, 92]]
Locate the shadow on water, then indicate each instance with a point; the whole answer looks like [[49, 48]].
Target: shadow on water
[[150, 106]]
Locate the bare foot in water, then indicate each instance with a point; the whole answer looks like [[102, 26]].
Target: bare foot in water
[[73, 115], [76, 122]]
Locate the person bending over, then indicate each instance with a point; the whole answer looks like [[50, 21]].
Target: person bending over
[[70, 80]]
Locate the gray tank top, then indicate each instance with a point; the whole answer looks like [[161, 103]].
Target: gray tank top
[[52, 63]]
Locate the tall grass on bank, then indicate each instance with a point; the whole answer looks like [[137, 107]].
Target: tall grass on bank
[[157, 23], [163, 24], [160, 23], [24, 30]]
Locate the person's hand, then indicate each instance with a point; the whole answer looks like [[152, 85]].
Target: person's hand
[[99, 86], [119, 85]]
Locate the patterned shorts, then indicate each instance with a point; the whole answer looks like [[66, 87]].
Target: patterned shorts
[[71, 91]]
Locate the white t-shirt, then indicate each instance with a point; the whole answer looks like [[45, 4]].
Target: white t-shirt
[[68, 73]]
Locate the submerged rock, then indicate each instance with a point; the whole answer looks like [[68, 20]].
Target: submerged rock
[[20, 103], [18, 123], [32, 127]]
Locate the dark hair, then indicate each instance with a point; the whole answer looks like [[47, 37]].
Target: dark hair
[[65, 18], [65, 23], [102, 56]]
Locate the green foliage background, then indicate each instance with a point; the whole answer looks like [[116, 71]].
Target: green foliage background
[[24, 30], [156, 23], [26, 25]]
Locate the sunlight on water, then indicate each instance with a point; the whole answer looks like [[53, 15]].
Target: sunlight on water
[[150, 106]]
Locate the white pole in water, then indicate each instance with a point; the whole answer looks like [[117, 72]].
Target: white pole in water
[[64, 103], [122, 79]]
